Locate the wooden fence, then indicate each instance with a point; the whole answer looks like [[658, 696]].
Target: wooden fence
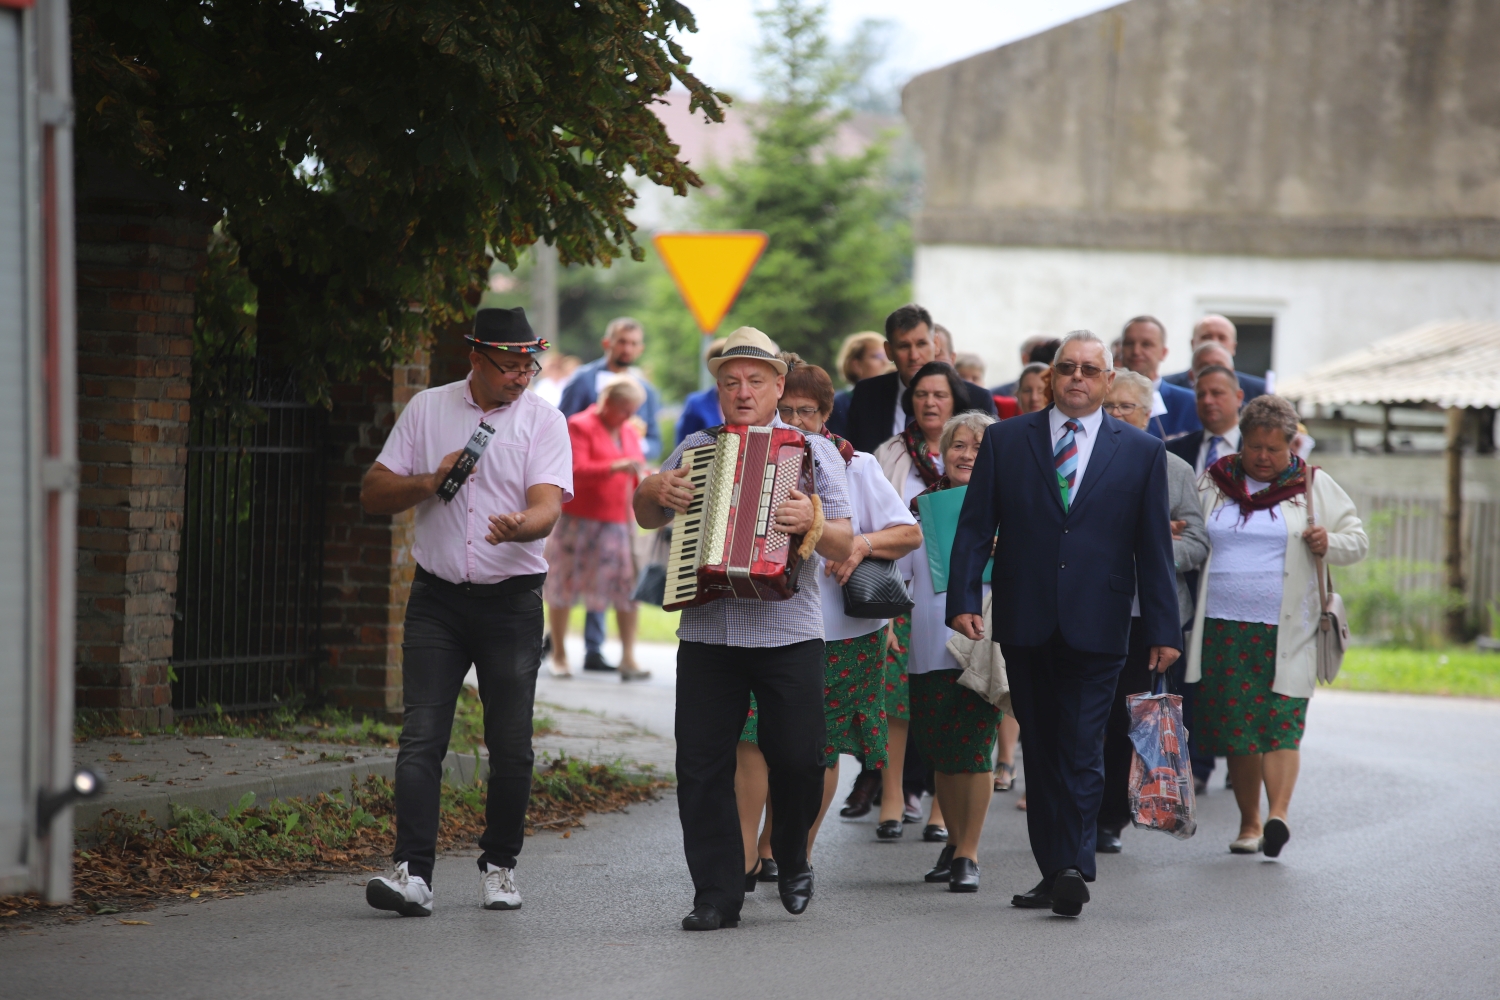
[[1410, 530]]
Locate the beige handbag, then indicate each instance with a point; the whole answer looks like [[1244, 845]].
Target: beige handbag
[[984, 666], [1333, 625]]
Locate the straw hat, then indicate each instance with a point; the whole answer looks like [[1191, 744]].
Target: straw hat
[[748, 342]]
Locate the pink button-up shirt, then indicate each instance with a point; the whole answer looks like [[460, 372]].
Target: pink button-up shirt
[[530, 447]]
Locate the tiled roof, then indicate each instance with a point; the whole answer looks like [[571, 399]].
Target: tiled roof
[[1448, 362]]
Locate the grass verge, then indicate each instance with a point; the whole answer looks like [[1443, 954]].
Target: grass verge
[[1454, 671], [134, 864], [293, 723]]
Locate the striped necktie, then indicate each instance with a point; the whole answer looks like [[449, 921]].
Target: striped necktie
[[1065, 460], [1213, 451]]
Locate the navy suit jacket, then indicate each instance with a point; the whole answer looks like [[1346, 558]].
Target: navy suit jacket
[[1076, 570], [1253, 385], [872, 409], [579, 395], [1186, 447], [1182, 412]]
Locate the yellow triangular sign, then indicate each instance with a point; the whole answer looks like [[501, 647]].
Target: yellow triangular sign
[[710, 269]]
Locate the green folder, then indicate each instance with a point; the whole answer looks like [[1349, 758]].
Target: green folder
[[939, 526]]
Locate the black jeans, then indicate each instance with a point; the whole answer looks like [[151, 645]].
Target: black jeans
[[713, 696], [1062, 698], [447, 629]]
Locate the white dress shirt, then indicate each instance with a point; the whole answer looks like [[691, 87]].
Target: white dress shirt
[[1229, 443], [1084, 437], [898, 419]]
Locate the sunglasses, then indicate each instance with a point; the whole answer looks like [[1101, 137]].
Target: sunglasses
[[1067, 369]]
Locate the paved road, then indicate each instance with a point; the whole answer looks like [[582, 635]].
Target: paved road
[[1388, 889]]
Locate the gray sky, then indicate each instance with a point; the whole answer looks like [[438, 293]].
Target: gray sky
[[929, 33]]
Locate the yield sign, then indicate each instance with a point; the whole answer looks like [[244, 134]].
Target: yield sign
[[710, 269]]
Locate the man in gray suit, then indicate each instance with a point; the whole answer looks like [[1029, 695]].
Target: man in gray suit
[[1129, 400]]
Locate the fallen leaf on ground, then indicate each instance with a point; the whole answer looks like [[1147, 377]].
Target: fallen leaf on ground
[[138, 777], [136, 923], [117, 756]]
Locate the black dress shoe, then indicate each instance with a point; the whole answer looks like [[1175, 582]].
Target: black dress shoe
[[943, 870], [706, 918], [934, 834], [797, 890], [1039, 898], [595, 661], [862, 795], [1069, 893], [1274, 836], [768, 870], [1106, 841], [753, 875], [913, 813], [964, 876], [888, 830]]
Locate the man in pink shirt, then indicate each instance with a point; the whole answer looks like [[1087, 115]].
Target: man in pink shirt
[[476, 597]]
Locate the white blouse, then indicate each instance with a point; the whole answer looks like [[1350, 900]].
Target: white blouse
[[1248, 570], [929, 627]]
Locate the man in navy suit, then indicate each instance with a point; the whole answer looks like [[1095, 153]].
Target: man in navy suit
[[1075, 504], [1216, 329], [1143, 345]]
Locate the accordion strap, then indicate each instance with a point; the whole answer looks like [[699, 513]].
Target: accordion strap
[[815, 533]]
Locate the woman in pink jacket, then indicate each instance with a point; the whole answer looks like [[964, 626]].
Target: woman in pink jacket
[[589, 553]]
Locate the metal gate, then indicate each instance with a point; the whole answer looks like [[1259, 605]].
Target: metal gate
[[249, 580]]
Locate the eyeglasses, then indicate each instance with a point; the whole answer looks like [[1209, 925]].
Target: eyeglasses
[[529, 372], [801, 412], [1122, 409], [1068, 368]]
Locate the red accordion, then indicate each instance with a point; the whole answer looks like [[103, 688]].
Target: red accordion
[[727, 545]]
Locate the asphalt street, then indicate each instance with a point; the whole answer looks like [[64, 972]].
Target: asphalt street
[[1387, 889]]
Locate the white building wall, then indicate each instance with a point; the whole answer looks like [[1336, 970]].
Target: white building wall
[[993, 298]]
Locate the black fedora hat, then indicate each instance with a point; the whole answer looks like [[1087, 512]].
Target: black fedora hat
[[506, 330]]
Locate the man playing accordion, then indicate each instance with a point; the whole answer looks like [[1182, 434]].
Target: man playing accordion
[[731, 647]]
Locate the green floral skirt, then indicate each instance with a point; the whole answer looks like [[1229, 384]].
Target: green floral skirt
[[954, 728], [897, 686], [1237, 712], [853, 702]]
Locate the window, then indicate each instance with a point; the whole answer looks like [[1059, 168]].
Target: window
[[1253, 356]]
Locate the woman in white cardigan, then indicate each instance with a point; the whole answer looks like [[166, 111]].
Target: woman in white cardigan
[[1252, 648]]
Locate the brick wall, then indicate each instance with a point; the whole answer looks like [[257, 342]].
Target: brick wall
[[367, 565], [140, 249]]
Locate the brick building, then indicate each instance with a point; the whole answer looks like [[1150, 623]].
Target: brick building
[[141, 247]]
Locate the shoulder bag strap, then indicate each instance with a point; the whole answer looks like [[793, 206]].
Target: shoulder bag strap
[[1318, 567]]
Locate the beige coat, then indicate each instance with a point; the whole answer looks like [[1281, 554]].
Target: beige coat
[[895, 462], [1296, 654]]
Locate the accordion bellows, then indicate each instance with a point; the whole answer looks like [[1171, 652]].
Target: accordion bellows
[[726, 544]]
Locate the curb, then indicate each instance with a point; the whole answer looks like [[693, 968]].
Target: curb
[[458, 769]]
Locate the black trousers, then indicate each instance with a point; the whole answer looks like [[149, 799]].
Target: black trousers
[[1062, 698], [1135, 677], [713, 694], [449, 627]]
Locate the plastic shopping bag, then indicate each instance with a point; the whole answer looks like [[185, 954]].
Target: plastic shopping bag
[[1161, 772]]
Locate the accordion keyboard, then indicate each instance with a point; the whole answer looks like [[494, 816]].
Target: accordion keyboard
[[688, 530]]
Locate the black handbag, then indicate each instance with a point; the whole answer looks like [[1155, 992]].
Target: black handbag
[[876, 590]]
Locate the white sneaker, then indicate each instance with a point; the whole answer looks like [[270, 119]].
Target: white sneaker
[[406, 894], [497, 889]]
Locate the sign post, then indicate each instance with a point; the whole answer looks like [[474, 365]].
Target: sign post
[[710, 269]]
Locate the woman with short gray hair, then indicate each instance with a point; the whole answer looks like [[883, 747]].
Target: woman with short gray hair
[[954, 728], [1252, 649], [1129, 400]]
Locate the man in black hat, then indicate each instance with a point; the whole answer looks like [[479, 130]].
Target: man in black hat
[[477, 593]]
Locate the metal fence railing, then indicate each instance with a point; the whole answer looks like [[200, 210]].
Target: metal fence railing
[[250, 571]]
